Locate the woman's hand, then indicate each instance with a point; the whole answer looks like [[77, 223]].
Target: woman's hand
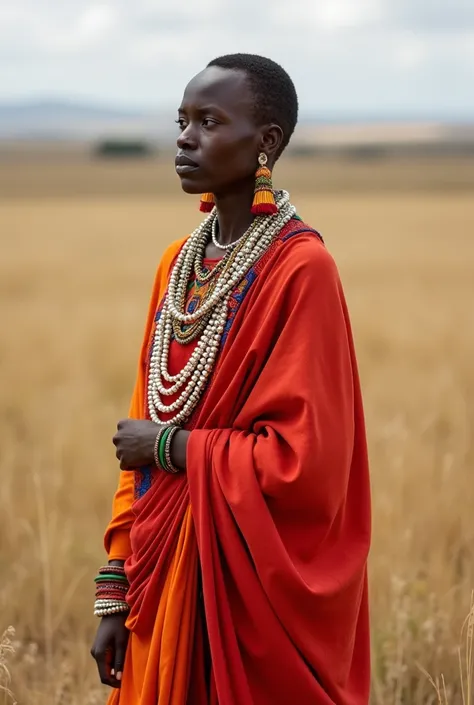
[[109, 648], [135, 443]]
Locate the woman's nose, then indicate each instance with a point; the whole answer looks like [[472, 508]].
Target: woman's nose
[[187, 138]]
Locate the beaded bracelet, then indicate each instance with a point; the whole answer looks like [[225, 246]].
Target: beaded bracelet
[[111, 595], [161, 447], [167, 451], [118, 570], [112, 567], [164, 450], [156, 449], [107, 607], [111, 590], [111, 586]]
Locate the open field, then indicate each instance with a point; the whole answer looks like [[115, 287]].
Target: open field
[[65, 170], [78, 247]]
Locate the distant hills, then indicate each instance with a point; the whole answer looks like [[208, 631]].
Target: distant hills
[[66, 120], [62, 120]]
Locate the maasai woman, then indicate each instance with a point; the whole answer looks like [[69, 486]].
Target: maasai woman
[[241, 525]]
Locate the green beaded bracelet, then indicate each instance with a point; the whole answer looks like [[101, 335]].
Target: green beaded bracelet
[[104, 578], [168, 460], [161, 450]]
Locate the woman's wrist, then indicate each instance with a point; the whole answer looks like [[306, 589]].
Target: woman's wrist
[[179, 447]]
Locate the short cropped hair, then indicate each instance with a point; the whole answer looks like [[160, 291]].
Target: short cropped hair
[[274, 91]]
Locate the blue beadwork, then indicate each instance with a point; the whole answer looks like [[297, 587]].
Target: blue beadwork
[[143, 481], [193, 304]]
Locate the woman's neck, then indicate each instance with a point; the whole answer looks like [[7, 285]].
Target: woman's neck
[[234, 216]]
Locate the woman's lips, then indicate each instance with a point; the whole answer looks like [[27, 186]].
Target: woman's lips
[[185, 168], [185, 165]]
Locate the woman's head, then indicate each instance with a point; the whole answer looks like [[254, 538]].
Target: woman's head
[[239, 106]]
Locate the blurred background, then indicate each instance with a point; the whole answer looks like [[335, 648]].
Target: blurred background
[[382, 163]]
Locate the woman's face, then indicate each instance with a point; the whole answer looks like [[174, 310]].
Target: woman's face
[[219, 143]]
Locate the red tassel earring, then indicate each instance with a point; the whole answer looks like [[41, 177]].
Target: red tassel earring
[[207, 202], [264, 200]]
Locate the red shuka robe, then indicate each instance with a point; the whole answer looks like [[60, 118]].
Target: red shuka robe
[[273, 511]]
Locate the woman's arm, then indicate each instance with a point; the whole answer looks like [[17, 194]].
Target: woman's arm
[[117, 541], [179, 448]]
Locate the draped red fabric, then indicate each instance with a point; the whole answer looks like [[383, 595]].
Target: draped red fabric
[[279, 488], [278, 485]]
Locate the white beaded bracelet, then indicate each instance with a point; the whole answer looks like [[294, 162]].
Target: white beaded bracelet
[[111, 610], [105, 607]]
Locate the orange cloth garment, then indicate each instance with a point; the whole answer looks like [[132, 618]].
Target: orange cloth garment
[[117, 536], [159, 653], [162, 562]]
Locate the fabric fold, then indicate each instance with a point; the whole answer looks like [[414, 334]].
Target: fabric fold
[[279, 489]]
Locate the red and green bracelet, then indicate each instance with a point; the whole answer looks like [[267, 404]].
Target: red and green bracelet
[[111, 591]]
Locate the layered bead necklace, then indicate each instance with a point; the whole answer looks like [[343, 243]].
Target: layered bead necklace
[[208, 320]]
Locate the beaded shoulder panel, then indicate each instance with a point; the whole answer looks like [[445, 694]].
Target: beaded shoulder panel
[[294, 227], [197, 290]]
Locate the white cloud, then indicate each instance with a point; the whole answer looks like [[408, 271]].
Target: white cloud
[[164, 51], [327, 15], [89, 29], [410, 51], [96, 21], [350, 56], [334, 15]]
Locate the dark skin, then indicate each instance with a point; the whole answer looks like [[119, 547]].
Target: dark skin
[[218, 149]]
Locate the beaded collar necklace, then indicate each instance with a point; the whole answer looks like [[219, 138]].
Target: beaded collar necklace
[[208, 320]]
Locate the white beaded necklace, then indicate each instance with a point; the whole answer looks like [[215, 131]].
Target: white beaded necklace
[[192, 379], [216, 242]]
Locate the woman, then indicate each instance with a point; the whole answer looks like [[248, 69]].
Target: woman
[[246, 527]]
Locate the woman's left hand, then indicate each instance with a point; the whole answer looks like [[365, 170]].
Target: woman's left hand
[[135, 443]]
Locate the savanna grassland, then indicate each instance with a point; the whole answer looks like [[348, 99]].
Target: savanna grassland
[[79, 241]]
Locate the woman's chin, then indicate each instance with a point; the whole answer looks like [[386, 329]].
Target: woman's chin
[[190, 187]]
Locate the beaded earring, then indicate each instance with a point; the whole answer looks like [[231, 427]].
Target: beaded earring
[[263, 200], [207, 202]]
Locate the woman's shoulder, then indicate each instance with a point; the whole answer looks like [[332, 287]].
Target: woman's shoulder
[[304, 249], [171, 251], [165, 264]]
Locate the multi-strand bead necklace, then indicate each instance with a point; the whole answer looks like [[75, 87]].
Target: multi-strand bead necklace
[[208, 320]]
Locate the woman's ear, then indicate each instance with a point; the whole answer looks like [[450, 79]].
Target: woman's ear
[[271, 141]]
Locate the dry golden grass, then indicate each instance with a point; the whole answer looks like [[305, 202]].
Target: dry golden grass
[[75, 274], [59, 173]]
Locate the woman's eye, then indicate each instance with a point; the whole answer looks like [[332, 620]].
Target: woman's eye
[[181, 123], [207, 122]]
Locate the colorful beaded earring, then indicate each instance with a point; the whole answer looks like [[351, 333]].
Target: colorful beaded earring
[[207, 202], [264, 200]]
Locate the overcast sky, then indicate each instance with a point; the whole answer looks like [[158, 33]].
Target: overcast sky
[[347, 57]]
